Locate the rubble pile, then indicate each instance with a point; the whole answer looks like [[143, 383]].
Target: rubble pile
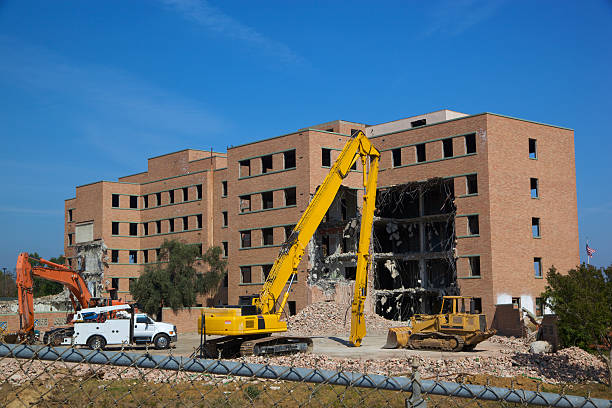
[[570, 365], [518, 344], [330, 319]]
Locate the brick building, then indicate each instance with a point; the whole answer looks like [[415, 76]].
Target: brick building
[[480, 205]]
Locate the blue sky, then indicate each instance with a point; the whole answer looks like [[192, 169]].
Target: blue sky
[[90, 90]]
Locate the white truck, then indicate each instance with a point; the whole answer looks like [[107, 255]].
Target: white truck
[[98, 327]]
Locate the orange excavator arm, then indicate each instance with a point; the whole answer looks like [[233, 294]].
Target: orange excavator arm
[[52, 272]]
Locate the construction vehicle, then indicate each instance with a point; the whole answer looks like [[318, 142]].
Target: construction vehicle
[[455, 328], [248, 330], [98, 327], [80, 297]]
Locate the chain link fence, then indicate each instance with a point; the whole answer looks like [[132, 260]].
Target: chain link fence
[[32, 375]]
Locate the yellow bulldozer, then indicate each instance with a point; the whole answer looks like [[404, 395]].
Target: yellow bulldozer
[[456, 328]]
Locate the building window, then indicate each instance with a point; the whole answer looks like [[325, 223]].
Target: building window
[[533, 149], [145, 228], [474, 265], [133, 229], [325, 157], [267, 236], [472, 184], [133, 257], [70, 216], [289, 157], [224, 213], [397, 157], [158, 198], [516, 302], [132, 283], [477, 302], [158, 254], [224, 188], [292, 308], [158, 226], [245, 168], [288, 231], [290, 198], [266, 163], [185, 194], [539, 307], [171, 196], [420, 153], [199, 191], [245, 274], [534, 187], [417, 123], [350, 272], [115, 201], [69, 239], [225, 247], [535, 227], [245, 203], [225, 281], [145, 256], [145, 201], [447, 147], [245, 239], [537, 267], [133, 201], [470, 143], [199, 220], [115, 228], [185, 223], [171, 225], [114, 256], [267, 200], [265, 271], [473, 227]]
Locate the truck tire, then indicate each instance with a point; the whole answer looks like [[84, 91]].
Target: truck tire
[[161, 341], [96, 343]]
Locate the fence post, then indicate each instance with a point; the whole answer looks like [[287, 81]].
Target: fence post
[[416, 399]]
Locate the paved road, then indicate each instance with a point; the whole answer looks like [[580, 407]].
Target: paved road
[[371, 348]]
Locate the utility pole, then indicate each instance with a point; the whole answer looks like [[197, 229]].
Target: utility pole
[[5, 283]]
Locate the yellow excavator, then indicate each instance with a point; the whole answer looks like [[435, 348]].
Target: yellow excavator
[[457, 327], [248, 330]]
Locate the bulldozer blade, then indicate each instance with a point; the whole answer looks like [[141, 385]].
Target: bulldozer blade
[[397, 337]]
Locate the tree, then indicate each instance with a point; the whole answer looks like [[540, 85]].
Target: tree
[[175, 282], [582, 301], [43, 287], [8, 286]]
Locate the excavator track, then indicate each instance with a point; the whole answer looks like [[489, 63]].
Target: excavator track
[[436, 341], [276, 345]]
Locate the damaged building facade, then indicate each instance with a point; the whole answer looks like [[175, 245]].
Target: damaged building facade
[[478, 205]]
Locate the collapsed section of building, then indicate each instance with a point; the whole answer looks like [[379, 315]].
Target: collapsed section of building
[[413, 247]]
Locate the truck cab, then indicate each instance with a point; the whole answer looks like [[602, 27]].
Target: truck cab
[[119, 325]]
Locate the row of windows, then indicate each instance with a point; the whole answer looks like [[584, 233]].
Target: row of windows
[[147, 228], [248, 273], [267, 164], [474, 263], [267, 236], [420, 150], [267, 200], [147, 200], [135, 256]]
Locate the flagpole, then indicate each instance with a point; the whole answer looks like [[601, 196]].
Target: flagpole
[[588, 256]]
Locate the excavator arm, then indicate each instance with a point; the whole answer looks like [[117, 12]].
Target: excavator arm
[[292, 251], [52, 272]]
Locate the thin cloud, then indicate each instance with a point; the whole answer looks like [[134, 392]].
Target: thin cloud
[[107, 103], [453, 17], [30, 211], [215, 20]]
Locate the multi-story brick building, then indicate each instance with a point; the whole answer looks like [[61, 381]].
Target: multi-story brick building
[[478, 204]]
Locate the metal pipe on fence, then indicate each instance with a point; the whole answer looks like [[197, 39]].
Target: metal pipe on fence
[[296, 374]]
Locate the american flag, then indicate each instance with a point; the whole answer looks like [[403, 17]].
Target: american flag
[[590, 251]]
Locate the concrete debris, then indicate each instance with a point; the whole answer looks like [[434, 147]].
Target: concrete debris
[[333, 319], [51, 303], [392, 267], [571, 365], [539, 347]]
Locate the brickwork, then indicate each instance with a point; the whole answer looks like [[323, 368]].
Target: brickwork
[[498, 158]]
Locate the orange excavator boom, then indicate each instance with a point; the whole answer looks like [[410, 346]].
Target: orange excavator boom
[[80, 295]]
